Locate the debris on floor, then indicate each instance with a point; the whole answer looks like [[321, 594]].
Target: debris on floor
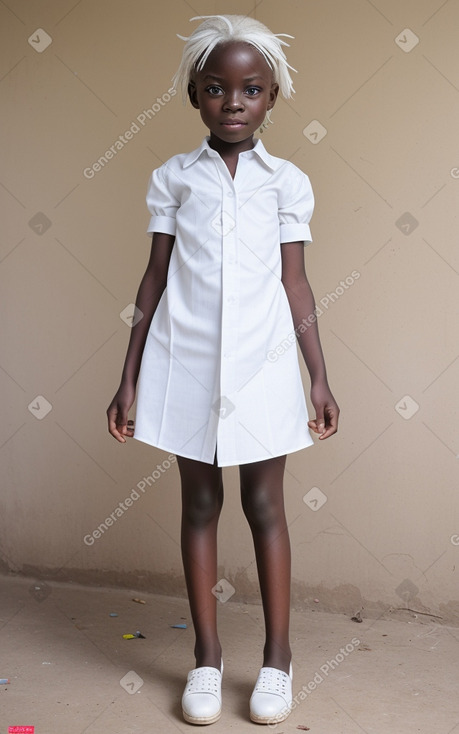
[[303, 727], [113, 614], [414, 611], [179, 626], [132, 637], [357, 618], [4, 681], [139, 601]]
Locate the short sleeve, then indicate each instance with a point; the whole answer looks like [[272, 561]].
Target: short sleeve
[[296, 204], [161, 203]]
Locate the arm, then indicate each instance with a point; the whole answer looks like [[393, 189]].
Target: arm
[[150, 291], [302, 305]]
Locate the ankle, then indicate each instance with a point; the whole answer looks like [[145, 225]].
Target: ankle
[[279, 658], [208, 655]]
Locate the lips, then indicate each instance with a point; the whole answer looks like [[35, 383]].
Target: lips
[[233, 122]]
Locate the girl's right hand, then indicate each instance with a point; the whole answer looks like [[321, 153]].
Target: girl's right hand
[[117, 413]]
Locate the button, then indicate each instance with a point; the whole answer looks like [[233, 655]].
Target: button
[[231, 300], [227, 355], [230, 193]]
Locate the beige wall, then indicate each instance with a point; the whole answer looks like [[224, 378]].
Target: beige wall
[[386, 535]]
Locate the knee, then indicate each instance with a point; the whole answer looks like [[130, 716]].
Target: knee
[[201, 506], [262, 511]]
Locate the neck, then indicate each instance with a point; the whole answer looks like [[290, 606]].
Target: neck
[[230, 150]]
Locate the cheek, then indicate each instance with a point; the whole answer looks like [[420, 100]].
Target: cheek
[[259, 105], [210, 105]]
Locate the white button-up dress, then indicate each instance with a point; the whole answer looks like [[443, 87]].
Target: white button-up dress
[[220, 373]]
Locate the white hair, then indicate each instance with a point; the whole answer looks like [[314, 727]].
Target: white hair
[[217, 29]]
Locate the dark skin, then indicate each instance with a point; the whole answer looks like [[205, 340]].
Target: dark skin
[[232, 93]]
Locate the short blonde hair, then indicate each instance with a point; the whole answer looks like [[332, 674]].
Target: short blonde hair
[[217, 29]]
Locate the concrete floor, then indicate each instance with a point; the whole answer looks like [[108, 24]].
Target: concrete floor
[[72, 672]]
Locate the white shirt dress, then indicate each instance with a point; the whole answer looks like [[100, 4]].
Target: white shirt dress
[[220, 373]]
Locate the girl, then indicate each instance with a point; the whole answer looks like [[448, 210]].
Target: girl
[[224, 292]]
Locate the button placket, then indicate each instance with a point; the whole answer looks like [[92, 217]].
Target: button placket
[[225, 223], [230, 312], [230, 290]]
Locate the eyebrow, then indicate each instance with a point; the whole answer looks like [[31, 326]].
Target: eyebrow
[[220, 78]]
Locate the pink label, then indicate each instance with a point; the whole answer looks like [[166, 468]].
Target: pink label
[[21, 730]]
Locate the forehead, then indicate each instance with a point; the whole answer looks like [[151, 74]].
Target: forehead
[[236, 58]]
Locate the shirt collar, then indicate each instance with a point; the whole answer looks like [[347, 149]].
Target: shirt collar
[[259, 150]]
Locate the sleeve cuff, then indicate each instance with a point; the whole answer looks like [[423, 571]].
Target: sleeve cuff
[[295, 232], [160, 223]]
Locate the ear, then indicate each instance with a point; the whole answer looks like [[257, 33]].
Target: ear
[[273, 96], [192, 94]]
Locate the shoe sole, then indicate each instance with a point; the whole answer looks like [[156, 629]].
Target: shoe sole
[[201, 720], [269, 719]]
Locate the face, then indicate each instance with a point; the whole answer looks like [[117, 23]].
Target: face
[[233, 91]]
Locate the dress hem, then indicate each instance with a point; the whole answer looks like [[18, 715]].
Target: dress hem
[[225, 464]]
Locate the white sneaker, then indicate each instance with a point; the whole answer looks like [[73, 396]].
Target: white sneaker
[[271, 699], [202, 697]]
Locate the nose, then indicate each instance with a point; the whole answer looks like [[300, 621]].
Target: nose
[[233, 102]]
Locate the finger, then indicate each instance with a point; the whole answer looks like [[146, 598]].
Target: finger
[[327, 433], [115, 432], [313, 426], [126, 428], [320, 421], [115, 425], [332, 425], [129, 429]]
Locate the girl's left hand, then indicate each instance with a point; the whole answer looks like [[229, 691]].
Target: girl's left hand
[[327, 411]]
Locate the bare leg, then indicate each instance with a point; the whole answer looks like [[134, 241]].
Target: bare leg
[[262, 498], [202, 499]]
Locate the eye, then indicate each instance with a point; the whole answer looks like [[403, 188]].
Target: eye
[[214, 90], [252, 91]]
